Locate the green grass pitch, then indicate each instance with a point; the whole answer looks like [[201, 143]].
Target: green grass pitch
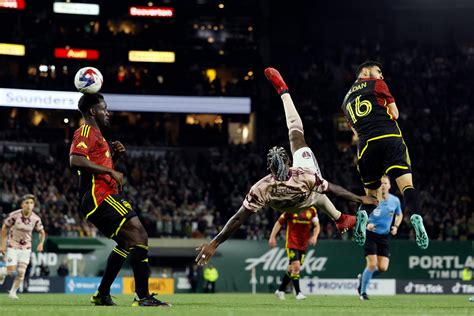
[[240, 304]]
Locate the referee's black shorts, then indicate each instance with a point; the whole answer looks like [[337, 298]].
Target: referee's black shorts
[[376, 244], [110, 215], [379, 157]]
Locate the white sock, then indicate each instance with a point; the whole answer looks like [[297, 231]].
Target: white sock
[[325, 204], [293, 120]]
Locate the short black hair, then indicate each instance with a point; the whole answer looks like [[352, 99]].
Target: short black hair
[[88, 101], [368, 63]]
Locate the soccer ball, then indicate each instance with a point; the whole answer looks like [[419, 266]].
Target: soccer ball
[[88, 80]]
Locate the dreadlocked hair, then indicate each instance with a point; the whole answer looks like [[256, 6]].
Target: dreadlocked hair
[[277, 160]]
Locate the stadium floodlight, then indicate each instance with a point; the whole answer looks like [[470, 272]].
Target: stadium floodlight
[[76, 8]]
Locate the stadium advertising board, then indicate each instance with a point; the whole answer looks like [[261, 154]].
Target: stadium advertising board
[[12, 49], [345, 286], [152, 12], [12, 4], [88, 285], [335, 259], [434, 287], [76, 8], [151, 56], [76, 53], [61, 100], [156, 285], [38, 285]]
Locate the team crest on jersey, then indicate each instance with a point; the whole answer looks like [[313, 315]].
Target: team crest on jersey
[[107, 154], [306, 155], [126, 204], [81, 145], [308, 214]]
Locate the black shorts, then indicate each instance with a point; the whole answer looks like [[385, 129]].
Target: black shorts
[[295, 255], [385, 156], [110, 215], [377, 244]]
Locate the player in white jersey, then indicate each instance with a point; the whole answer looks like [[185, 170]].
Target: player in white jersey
[[288, 188], [16, 239]]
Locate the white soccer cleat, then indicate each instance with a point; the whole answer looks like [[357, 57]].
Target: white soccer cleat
[[12, 295], [300, 296], [280, 294]]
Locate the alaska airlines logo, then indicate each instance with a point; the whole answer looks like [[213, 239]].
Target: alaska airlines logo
[[275, 260], [81, 145]]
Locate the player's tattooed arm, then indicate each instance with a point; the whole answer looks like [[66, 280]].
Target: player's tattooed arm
[[206, 251], [345, 194]]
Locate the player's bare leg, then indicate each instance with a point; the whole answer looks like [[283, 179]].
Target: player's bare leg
[[413, 205], [297, 141], [7, 271]]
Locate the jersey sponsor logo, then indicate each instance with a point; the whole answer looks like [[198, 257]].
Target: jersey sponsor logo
[[306, 155], [126, 204], [107, 154], [81, 145]]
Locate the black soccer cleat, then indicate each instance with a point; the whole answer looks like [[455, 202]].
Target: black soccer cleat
[[364, 297], [150, 300], [104, 300]]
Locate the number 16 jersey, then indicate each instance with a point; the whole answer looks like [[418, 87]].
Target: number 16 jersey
[[366, 109]]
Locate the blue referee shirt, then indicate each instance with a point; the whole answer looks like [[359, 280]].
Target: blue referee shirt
[[382, 216]]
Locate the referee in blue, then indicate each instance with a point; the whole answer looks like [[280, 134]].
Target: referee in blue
[[377, 250]]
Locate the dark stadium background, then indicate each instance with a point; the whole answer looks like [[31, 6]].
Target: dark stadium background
[[193, 177]]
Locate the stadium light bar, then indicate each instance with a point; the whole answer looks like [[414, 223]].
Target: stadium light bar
[[76, 8], [76, 53], [12, 49], [13, 4], [151, 56], [152, 12]]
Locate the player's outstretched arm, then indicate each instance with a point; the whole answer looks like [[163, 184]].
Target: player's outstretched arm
[[272, 240], [206, 251], [347, 195]]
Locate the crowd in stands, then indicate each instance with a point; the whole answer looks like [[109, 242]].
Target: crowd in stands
[[190, 193]]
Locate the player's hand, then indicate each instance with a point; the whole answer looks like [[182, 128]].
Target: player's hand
[[394, 230], [371, 227], [369, 200], [313, 240], [117, 176], [206, 251], [118, 148], [272, 242], [39, 248]]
